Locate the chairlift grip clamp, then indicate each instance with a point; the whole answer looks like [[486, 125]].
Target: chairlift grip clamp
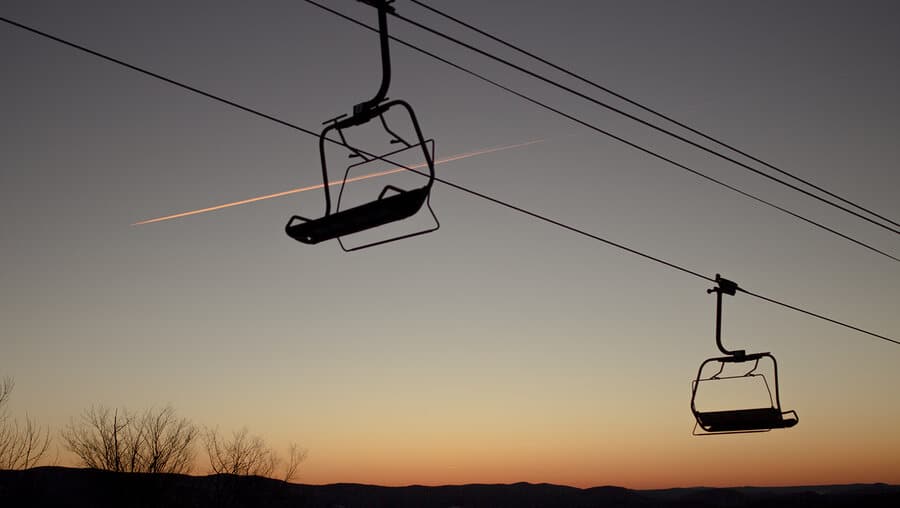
[[725, 286], [379, 4]]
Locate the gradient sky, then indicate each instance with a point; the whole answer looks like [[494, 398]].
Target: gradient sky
[[497, 349]]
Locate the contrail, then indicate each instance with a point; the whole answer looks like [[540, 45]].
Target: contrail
[[456, 157]]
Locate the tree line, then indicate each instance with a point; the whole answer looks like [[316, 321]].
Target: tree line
[[151, 441]]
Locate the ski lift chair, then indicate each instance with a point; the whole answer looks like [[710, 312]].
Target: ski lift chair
[[754, 419], [393, 203]]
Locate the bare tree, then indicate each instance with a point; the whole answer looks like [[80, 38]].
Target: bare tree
[[292, 466], [243, 454], [167, 442], [21, 444], [247, 455], [155, 442], [100, 440]]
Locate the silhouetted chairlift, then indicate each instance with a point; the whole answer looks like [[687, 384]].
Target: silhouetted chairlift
[[393, 203], [756, 419]]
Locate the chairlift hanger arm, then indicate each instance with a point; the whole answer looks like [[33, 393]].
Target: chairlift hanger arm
[[364, 111], [729, 288]]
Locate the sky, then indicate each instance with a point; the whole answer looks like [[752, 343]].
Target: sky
[[498, 348]]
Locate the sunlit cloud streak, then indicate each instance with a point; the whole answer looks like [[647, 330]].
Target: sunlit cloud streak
[[452, 158]]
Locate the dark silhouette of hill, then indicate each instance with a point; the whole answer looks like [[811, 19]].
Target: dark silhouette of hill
[[66, 487]]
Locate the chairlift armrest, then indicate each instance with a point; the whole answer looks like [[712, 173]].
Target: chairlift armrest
[[386, 188], [290, 221]]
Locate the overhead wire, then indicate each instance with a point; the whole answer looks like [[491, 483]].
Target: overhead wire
[[341, 143], [648, 109], [610, 134], [459, 187], [634, 118], [813, 314]]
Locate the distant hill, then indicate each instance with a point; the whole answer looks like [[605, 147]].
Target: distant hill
[[66, 487]]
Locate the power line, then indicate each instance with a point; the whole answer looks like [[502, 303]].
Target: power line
[[635, 118], [648, 109], [609, 134], [481, 195]]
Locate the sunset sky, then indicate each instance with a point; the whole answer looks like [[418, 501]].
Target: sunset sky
[[499, 348]]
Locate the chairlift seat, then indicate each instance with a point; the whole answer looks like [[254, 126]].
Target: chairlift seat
[[359, 218], [383, 210], [745, 420], [759, 419]]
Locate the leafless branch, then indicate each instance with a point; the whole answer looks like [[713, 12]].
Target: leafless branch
[[292, 466], [21, 444], [243, 454], [155, 442]]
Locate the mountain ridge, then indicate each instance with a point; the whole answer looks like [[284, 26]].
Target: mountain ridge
[[73, 487]]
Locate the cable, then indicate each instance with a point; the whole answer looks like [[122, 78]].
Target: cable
[[445, 182], [609, 134], [635, 118], [340, 143], [157, 76], [813, 314], [647, 109]]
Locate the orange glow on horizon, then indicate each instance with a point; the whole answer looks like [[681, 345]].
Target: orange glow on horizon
[[452, 158]]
